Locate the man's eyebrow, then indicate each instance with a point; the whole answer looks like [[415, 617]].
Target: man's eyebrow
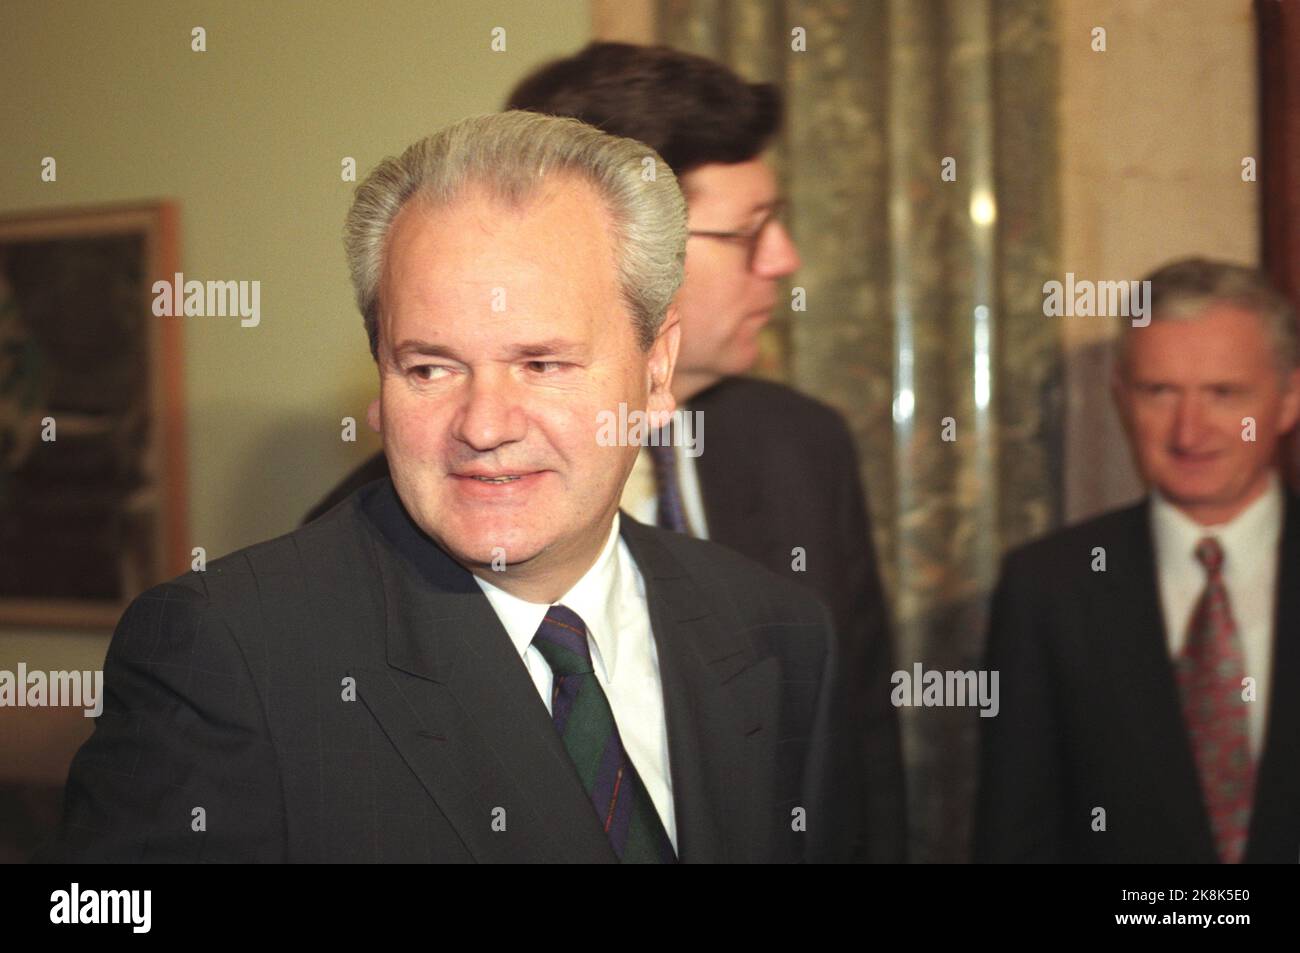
[[547, 348], [427, 348]]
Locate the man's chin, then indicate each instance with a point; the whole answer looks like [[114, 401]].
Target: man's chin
[[497, 552], [1196, 495], [1192, 492]]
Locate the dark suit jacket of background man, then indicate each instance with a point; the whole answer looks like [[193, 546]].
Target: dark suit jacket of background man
[[779, 470], [225, 691], [1090, 713]]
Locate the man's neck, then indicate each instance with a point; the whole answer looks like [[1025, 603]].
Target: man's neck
[[1214, 514], [686, 384], [546, 583]]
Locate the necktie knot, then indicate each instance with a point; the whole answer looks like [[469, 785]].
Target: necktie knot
[[1210, 554], [562, 640]]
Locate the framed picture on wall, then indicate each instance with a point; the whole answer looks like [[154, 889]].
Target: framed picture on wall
[[92, 471]]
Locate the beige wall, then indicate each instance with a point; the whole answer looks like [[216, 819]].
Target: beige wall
[[1153, 132], [249, 137]]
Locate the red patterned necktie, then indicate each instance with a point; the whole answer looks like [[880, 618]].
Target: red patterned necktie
[[1210, 671]]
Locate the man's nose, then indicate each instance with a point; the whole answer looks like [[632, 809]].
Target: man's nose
[[776, 255], [491, 413], [1189, 422]]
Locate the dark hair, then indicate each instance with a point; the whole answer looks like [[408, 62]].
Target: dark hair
[[690, 110]]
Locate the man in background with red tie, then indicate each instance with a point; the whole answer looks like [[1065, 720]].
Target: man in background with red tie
[[1150, 657], [770, 471]]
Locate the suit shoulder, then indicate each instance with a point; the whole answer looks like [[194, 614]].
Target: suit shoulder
[[334, 536], [778, 402], [1067, 549], [374, 468]]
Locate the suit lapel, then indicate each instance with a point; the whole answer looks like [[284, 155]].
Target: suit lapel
[[720, 705], [457, 702], [1275, 819], [1128, 617], [1135, 677]]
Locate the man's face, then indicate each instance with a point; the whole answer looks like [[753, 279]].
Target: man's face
[[725, 301], [1187, 387], [503, 337]]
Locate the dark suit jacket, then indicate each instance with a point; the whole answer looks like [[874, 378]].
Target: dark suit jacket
[[228, 691], [1090, 713], [779, 471]]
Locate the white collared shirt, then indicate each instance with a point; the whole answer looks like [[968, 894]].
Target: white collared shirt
[[610, 598], [1250, 543]]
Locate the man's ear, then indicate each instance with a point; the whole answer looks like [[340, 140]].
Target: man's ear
[[660, 403], [372, 416]]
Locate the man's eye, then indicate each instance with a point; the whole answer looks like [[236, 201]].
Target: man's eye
[[545, 367], [426, 372]]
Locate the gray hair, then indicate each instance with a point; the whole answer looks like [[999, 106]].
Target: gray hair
[[1183, 289], [510, 154]]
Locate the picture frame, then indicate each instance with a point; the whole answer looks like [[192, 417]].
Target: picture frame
[[93, 485]]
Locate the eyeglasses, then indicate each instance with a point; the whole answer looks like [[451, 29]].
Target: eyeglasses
[[749, 239]]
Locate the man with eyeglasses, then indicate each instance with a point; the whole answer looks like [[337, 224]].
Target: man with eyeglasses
[[778, 480]]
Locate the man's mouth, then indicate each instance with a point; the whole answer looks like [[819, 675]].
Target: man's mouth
[[496, 478], [1193, 459]]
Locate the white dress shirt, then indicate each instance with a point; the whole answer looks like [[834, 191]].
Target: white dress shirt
[[1250, 550], [610, 598]]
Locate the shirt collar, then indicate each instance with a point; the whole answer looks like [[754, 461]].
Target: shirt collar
[[1256, 528], [594, 598]]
